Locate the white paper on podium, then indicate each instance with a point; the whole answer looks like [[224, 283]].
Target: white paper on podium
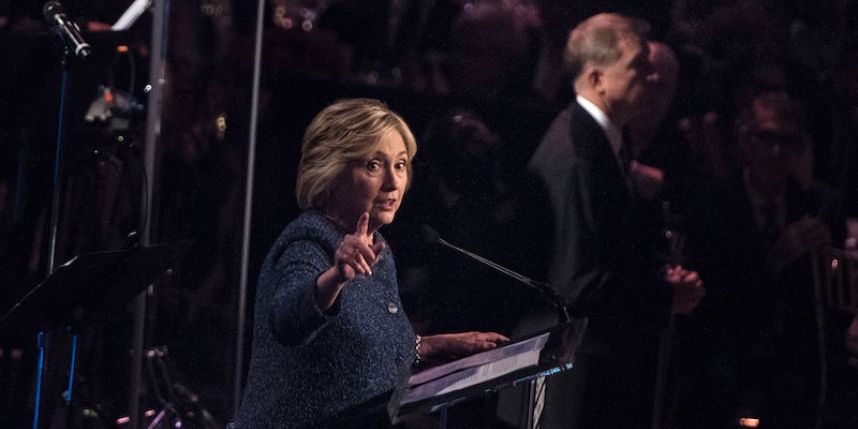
[[535, 343], [475, 369]]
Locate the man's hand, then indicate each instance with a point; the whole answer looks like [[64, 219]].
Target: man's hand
[[688, 289]]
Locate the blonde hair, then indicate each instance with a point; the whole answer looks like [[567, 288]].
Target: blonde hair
[[342, 132], [596, 40]]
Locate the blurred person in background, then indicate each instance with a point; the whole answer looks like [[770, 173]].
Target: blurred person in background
[[603, 261], [754, 235]]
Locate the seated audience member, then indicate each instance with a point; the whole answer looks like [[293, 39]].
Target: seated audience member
[[330, 332], [754, 336]]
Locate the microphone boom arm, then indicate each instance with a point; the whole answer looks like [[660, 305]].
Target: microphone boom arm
[[544, 289]]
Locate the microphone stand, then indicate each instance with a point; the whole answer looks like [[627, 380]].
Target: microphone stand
[[69, 34], [535, 392], [43, 337], [65, 65], [544, 289]]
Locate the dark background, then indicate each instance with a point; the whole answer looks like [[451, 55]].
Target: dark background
[[421, 58]]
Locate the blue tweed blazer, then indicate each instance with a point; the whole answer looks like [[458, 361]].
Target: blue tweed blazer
[[308, 366]]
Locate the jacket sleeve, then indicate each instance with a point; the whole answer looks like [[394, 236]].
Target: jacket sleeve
[[294, 316]]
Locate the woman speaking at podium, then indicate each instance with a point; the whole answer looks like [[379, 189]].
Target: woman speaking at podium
[[330, 332]]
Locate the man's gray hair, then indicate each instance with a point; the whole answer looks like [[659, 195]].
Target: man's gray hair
[[596, 40]]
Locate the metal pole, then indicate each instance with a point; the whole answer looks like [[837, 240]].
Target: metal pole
[[160, 23], [248, 208], [69, 396], [53, 227], [55, 199], [42, 343]]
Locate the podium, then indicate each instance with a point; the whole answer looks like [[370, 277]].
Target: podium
[[438, 388]]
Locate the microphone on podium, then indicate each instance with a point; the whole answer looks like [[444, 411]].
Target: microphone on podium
[[544, 289]]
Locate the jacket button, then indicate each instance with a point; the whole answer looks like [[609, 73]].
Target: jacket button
[[392, 308]]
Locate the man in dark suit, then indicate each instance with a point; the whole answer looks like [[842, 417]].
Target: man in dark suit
[[603, 263]]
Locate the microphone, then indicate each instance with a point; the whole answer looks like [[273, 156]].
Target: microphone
[[544, 289], [68, 30]]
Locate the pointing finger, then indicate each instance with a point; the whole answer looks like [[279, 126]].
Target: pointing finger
[[362, 225]]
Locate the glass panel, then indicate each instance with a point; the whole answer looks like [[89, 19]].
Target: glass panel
[[200, 164]]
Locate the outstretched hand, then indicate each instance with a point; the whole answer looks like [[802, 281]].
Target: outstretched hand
[[454, 346], [357, 254]]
